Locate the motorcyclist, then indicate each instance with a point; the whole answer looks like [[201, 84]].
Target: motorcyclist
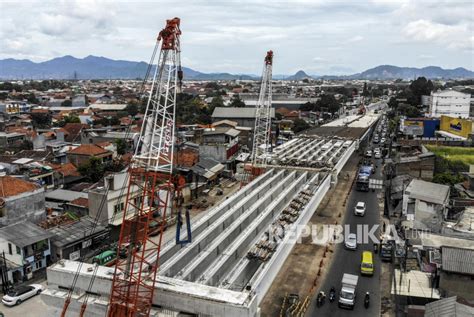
[[320, 298], [332, 294], [367, 300]]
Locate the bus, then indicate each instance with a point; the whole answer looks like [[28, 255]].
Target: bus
[[106, 258]]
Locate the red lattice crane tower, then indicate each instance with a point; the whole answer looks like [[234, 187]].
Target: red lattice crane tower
[[151, 172]]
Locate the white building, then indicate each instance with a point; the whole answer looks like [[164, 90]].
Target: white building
[[450, 103]]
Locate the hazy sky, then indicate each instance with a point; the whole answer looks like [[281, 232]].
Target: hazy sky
[[320, 37]]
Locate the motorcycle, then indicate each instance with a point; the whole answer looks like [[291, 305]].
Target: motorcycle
[[367, 300], [332, 294], [320, 299]]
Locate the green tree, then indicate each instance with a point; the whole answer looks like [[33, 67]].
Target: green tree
[[72, 119], [32, 98], [328, 103], [132, 108], [419, 87], [93, 170], [447, 178], [237, 102], [217, 101], [66, 103], [121, 146], [408, 110], [114, 120], [213, 85], [393, 103], [41, 120], [300, 125], [365, 90]]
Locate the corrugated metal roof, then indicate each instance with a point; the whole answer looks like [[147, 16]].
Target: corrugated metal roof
[[23, 234], [458, 260], [237, 112], [427, 191], [64, 195], [448, 307], [72, 232]]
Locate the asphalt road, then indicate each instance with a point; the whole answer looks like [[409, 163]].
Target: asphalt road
[[348, 261]]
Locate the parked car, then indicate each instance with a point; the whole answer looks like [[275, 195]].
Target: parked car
[[382, 140], [368, 153], [377, 155], [22, 293], [154, 228], [359, 209], [351, 241]]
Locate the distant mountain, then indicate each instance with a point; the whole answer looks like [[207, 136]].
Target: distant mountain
[[298, 76], [92, 67], [394, 72]]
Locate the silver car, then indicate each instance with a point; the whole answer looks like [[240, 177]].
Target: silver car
[[351, 241], [22, 293]]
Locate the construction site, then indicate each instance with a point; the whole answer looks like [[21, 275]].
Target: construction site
[[227, 260], [238, 246]]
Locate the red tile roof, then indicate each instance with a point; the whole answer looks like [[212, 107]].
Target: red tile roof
[[67, 169], [88, 149], [11, 186], [81, 201]]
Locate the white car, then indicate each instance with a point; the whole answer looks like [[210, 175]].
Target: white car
[[368, 153], [359, 209], [382, 140], [377, 155], [351, 241], [20, 294]]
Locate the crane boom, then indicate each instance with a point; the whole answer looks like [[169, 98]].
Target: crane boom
[[151, 175], [261, 139]]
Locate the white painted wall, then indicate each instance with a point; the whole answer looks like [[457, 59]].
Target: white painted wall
[[450, 103]]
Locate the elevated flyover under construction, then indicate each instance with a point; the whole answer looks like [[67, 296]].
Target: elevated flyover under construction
[[238, 246]]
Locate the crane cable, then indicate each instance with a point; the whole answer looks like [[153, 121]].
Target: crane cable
[[96, 219]]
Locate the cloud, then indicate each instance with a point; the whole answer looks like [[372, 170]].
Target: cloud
[[319, 59], [453, 36], [425, 56], [355, 39], [233, 35]]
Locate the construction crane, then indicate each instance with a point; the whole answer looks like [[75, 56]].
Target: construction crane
[[151, 172], [262, 130]]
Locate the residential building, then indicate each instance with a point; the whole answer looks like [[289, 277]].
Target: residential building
[[425, 205], [11, 139], [26, 245], [457, 272], [107, 202], [14, 107], [73, 240], [220, 144], [20, 200], [56, 199], [83, 153], [450, 103]]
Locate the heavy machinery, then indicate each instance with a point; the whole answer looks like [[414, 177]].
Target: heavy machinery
[[262, 131], [151, 171]]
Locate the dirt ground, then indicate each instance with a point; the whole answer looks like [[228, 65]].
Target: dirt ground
[[299, 273]]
